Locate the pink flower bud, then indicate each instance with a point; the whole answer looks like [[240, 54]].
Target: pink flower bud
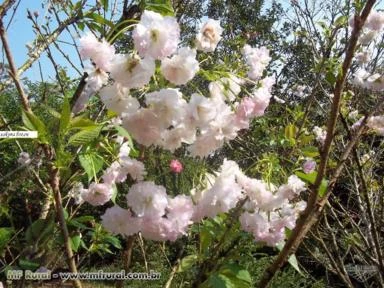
[[176, 166], [309, 166]]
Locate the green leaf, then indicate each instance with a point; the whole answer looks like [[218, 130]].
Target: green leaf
[[83, 219], [40, 230], [5, 236], [218, 281], [237, 274], [81, 123], [99, 19], [341, 21], [91, 163], [163, 7], [111, 114], [81, 25], [290, 133], [63, 159], [105, 4], [75, 242], [65, 117], [51, 111], [65, 213], [311, 178], [310, 151], [28, 265], [323, 188], [186, 263], [114, 193], [291, 260], [76, 224], [85, 136], [114, 241], [330, 77], [122, 132], [95, 27], [33, 123]]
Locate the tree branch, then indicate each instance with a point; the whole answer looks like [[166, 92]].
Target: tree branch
[[315, 205]]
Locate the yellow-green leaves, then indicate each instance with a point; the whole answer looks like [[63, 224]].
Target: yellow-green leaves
[[311, 178], [33, 123]]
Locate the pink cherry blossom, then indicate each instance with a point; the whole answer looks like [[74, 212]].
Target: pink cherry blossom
[[257, 59], [147, 199], [101, 52], [156, 36], [309, 166], [176, 166], [131, 71], [209, 36], [97, 194], [120, 221], [181, 68]]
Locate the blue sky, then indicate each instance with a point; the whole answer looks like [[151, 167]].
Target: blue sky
[[20, 33]]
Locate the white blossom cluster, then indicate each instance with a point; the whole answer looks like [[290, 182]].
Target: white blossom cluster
[[165, 118], [257, 60], [266, 213], [151, 212], [157, 216], [372, 28]]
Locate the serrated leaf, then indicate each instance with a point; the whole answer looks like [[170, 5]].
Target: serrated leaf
[[163, 7], [32, 122], [85, 136], [52, 111], [65, 117], [186, 263], [114, 241], [75, 242], [291, 260], [81, 123], [91, 163], [99, 19], [237, 274], [218, 281]]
